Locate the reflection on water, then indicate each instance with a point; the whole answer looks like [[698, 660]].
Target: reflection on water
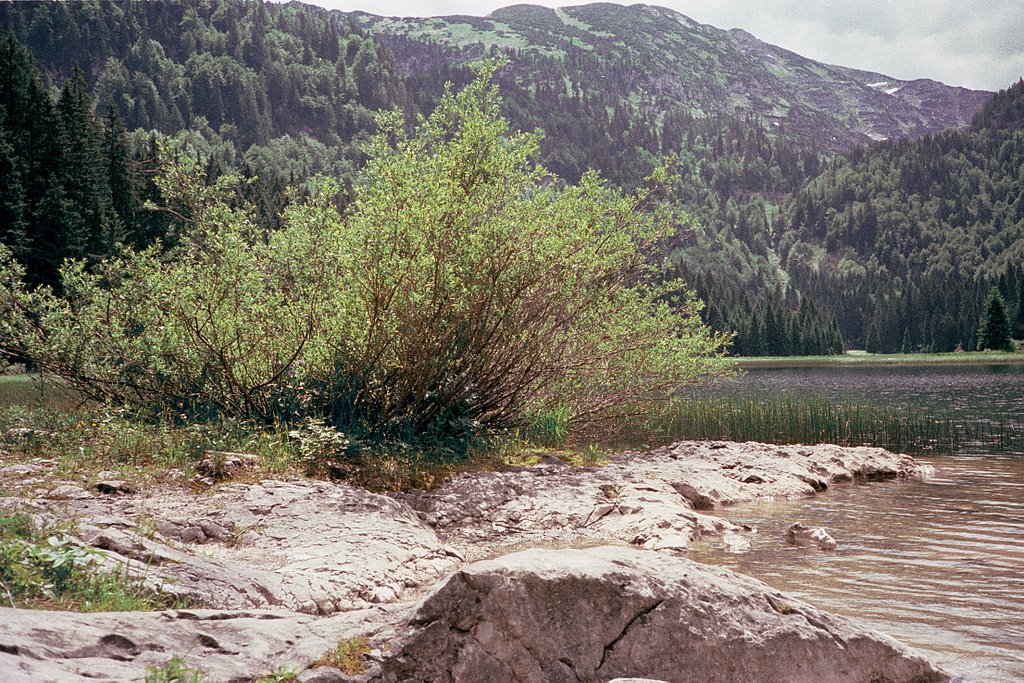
[[938, 564]]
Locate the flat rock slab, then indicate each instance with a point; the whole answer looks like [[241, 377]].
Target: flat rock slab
[[311, 546], [297, 565], [320, 547], [223, 645], [652, 500], [538, 615]]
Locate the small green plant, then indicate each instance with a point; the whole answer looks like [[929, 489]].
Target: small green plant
[[174, 671], [319, 442], [281, 674], [347, 655], [548, 427], [40, 567]]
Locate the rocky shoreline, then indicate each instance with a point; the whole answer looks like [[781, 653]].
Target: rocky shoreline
[[540, 573]]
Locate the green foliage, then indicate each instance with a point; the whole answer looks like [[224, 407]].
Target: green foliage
[[548, 427], [789, 421], [463, 291], [1005, 111], [174, 671], [347, 655], [994, 332], [40, 567], [281, 674]]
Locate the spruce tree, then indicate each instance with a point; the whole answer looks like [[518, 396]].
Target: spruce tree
[[1018, 325], [994, 332]]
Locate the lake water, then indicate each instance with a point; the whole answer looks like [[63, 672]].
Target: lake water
[[939, 564]]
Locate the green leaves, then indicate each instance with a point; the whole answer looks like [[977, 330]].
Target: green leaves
[[465, 290]]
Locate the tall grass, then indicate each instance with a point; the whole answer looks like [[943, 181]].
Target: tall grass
[[786, 420]]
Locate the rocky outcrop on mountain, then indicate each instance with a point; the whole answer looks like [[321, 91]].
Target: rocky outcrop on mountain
[[658, 60], [290, 568]]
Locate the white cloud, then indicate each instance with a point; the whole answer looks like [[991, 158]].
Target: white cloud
[[973, 44]]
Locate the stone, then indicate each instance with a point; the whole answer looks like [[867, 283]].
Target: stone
[[293, 566], [654, 500], [593, 614], [611, 612], [798, 534], [220, 465], [69, 492], [114, 486], [314, 547], [223, 645]]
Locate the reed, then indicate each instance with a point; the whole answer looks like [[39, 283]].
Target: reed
[[787, 420]]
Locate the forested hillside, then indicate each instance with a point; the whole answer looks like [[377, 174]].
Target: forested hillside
[[891, 246], [277, 93]]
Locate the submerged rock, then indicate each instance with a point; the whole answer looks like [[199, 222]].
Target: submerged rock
[[798, 534]]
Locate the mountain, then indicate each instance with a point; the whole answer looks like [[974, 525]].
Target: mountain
[[802, 232], [658, 60]]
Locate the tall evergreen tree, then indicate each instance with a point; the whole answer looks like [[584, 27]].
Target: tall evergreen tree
[[86, 228], [994, 332], [121, 180]]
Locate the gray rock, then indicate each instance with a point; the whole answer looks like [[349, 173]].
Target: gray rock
[[612, 612], [69, 492], [311, 547], [224, 646], [798, 534], [218, 465], [356, 559], [538, 615], [654, 500]]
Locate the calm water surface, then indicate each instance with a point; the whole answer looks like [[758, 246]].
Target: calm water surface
[[939, 564]]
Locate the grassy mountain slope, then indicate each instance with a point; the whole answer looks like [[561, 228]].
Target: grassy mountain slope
[[657, 60]]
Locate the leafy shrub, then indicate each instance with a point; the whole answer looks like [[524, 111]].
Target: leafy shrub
[[41, 567], [466, 290]]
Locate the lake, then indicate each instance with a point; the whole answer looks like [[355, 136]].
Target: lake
[[939, 564]]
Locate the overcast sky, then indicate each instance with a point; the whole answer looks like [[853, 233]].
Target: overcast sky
[[976, 44]]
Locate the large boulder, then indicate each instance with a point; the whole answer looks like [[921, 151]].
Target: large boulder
[[611, 612], [539, 615]]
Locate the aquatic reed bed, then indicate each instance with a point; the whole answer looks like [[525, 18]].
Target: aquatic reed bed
[[788, 420]]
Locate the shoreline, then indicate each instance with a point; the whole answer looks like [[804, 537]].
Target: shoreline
[[327, 557], [882, 360]]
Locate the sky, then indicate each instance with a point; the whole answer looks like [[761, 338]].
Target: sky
[[972, 44]]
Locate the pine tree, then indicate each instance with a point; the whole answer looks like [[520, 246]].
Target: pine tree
[[121, 181], [81, 173], [873, 344], [994, 332], [1018, 325]]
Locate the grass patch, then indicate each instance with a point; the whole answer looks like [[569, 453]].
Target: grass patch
[[174, 671], [347, 655], [42, 568], [80, 443], [861, 358], [280, 675]]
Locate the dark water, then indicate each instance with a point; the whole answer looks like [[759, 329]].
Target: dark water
[[939, 563]]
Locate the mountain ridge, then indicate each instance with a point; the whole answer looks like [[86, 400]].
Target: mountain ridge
[[677, 62]]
